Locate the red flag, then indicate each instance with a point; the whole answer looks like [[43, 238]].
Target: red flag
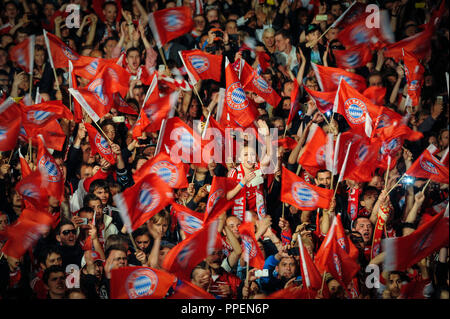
[[324, 100], [181, 259], [189, 221], [73, 84], [87, 67], [186, 290], [25, 232], [99, 144], [253, 82], [362, 159], [316, 152], [295, 103], [332, 258], [37, 115], [54, 136], [419, 44], [23, 53], [59, 51], [375, 94], [182, 143], [403, 252], [310, 275], [50, 170], [140, 283], [329, 78], [414, 72], [241, 111], [250, 249], [344, 241], [32, 188], [291, 293], [297, 192], [202, 65], [217, 200], [93, 100], [287, 143], [122, 106], [169, 24], [353, 57], [143, 200], [214, 137], [428, 166], [24, 167], [172, 174], [358, 110], [10, 123], [358, 33]]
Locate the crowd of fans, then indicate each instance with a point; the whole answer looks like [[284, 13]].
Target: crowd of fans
[[281, 29]]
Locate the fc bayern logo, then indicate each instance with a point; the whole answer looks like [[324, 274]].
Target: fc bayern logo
[[3, 133], [262, 85], [38, 117], [361, 154], [352, 59], [186, 140], [149, 199], [96, 87], [68, 53], [341, 242], [383, 121], [337, 77], [235, 97], [166, 171], [50, 169], [188, 223], [213, 199], [414, 85], [141, 283], [113, 74], [355, 110], [304, 195], [200, 63], [102, 144], [29, 190], [359, 36], [249, 247], [173, 21], [391, 147], [428, 166], [92, 67]]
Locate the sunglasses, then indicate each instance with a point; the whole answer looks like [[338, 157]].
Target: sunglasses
[[67, 232]]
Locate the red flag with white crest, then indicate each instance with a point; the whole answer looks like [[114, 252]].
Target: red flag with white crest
[[329, 78], [297, 192], [250, 248], [50, 170], [23, 53], [169, 24], [140, 283], [142, 201], [59, 52], [324, 100], [99, 144], [217, 202], [429, 167], [10, 123], [202, 65], [414, 72], [375, 94], [353, 57], [189, 220], [32, 188]]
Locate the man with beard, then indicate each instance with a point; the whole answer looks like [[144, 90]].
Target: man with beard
[[282, 267]]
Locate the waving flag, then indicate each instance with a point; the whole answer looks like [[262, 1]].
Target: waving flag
[[353, 57], [50, 170], [114, 79], [403, 252], [38, 115], [419, 44], [122, 106], [241, 111], [332, 258], [32, 188], [297, 192], [310, 275], [324, 100], [182, 258], [23, 54], [59, 53], [25, 232], [143, 200], [201, 65], [375, 94], [414, 72], [172, 174], [362, 159], [169, 24], [253, 82], [344, 242], [99, 144], [429, 167], [250, 248], [52, 133], [140, 283], [356, 108], [295, 103], [73, 84], [24, 167], [317, 153], [10, 123], [87, 67], [182, 143], [186, 290], [217, 202], [189, 221], [92, 99], [329, 78], [287, 143]]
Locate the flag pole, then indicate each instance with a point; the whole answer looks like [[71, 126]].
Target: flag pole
[[390, 190], [323, 281], [161, 52], [426, 185], [30, 148], [337, 21], [11, 155], [51, 59], [387, 172], [132, 240]]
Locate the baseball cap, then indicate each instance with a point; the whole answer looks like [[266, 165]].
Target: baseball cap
[[95, 257], [311, 28]]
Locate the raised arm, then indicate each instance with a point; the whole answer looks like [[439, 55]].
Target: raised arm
[[235, 254], [412, 214]]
